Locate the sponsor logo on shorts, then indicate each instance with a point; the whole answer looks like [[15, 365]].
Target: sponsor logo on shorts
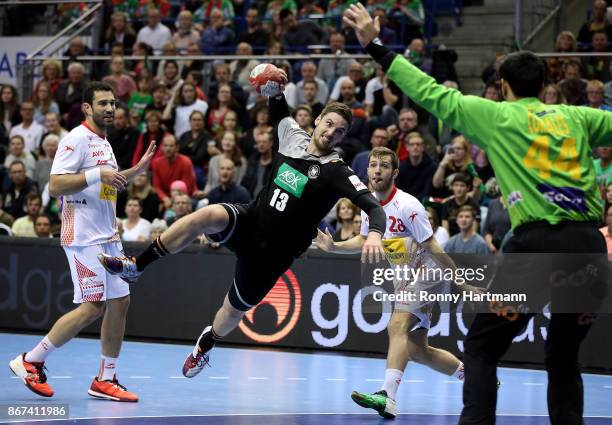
[[568, 198], [264, 326], [514, 197], [108, 192], [291, 180]]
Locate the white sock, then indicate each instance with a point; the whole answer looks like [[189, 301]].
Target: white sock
[[459, 373], [393, 378], [108, 368], [39, 353]]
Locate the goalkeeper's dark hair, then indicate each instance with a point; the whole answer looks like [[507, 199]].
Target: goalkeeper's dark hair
[[340, 109], [525, 72]]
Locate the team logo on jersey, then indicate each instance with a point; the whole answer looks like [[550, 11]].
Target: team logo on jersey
[[568, 198], [314, 171], [291, 180], [277, 319]]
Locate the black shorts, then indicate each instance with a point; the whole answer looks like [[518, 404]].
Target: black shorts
[[259, 263]]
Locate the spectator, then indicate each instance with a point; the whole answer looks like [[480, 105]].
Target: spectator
[[196, 79], [552, 95], [217, 36], [497, 224], [17, 152], [303, 116], [230, 123], [170, 167], [460, 186], [158, 226], [255, 34], [309, 93], [181, 206], [467, 241], [309, 72], [607, 231], [5, 218], [195, 145], [9, 111], [566, 42], [154, 34], [345, 214], [51, 73], [123, 84], [382, 99], [261, 118], [309, 8], [240, 70], [220, 106], [229, 149], [194, 65], [169, 49], [140, 188], [412, 14], [225, 7], [332, 69], [356, 135], [379, 138], [223, 77], [387, 34], [598, 22], [120, 31], [76, 48], [69, 94], [573, 86], [300, 34], [43, 102], [135, 228], [416, 173], [29, 130], [408, 123], [42, 169], [185, 34], [603, 168], [457, 159], [338, 7], [142, 66], [171, 78], [24, 226], [154, 133], [141, 98], [260, 165], [123, 138], [42, 226], [228, 191], [183, 103], [160, 97], [355, 74], [440, 233], [598, 67], [276, 6], [491, 92], [13, 198], [595, 95]]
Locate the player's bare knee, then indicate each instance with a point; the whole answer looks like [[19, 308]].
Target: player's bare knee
[[419, 354], [398, 325]]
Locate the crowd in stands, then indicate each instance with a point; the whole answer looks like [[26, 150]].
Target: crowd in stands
[[215, 139]]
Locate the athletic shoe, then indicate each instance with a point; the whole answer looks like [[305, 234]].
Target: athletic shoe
[[111, 390], [32, 374], [379, 401], [195, 363], [125, 267]]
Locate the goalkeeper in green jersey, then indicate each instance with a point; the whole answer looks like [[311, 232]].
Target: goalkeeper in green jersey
[[541, 157]]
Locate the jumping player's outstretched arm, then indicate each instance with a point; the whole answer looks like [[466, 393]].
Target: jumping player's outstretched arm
[[326, 242]]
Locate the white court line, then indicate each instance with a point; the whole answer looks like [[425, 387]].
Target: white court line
[[258, 378], [335, 379], [607, 386], [453, 382], [413, 380], [139, 377], [534, 384], [15, 377], [374, 380], [60, 377], [218, 377], [297, 379], [177, 377]]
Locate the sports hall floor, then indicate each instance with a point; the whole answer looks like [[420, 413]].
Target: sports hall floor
[[265, 387]]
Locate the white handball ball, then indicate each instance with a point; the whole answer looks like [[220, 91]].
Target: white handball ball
[[267, 80]]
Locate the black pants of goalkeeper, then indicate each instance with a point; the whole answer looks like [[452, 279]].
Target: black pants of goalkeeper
[[490, 335]]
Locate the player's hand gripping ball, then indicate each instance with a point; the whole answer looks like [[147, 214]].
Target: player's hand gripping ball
[[267, 79]]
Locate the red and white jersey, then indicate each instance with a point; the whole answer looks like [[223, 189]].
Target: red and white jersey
[[406, 217], [88, 217]]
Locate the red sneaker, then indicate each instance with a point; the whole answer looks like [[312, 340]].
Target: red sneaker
[[111, 390], [32, 375]]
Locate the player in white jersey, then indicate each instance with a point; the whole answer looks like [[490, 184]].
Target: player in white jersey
[[84, 173], [408, 240]]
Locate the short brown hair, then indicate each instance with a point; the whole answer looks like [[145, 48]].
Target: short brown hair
[[466, 208], [383, 151], [340, 109]]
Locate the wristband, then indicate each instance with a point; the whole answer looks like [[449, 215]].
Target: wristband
[[93, 176]]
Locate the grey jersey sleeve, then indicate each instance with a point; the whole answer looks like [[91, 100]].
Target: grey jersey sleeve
[[292, 140]]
